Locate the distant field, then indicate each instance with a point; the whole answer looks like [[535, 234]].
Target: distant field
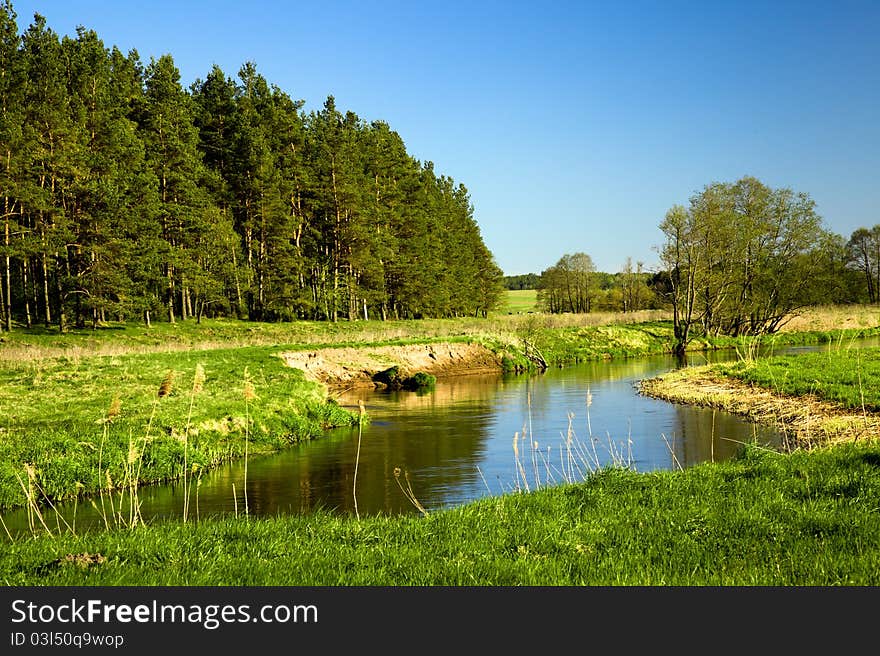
[[521, 300]]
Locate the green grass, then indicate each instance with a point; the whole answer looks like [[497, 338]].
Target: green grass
[[569, 344], [850, 377], [806, 518], [578, 344], [563, 338], [78, 421], [518, 301], [161, 337]]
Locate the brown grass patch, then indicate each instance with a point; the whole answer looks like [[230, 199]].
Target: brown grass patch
[[82, 560], [833, 317]]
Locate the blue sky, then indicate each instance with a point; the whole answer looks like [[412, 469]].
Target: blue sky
[[574, 125]]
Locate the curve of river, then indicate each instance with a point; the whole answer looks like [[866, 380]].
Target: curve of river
[[455, 444]]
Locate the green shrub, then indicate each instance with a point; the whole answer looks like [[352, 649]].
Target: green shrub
[[419, 380], [389, 377]]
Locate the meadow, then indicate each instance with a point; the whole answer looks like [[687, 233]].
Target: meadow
[[517, 301]]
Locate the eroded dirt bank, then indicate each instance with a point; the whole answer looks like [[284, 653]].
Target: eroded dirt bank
[[349, 366], [805, 420]]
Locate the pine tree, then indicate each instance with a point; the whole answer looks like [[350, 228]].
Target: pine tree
[[387, 165], [289, 292], [11, 102], [216, 119], [334, 202], [171, 139], [50, 155]]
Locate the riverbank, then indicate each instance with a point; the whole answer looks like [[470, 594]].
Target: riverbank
[[804, 421], [75, 426], [765, 518], [359, 366], [813, 398]]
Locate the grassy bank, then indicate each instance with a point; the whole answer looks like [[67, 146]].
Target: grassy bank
[[819, 397], [561, 344], [849, 377], [807, 518], [562, 338], [129, 338], [77, 425]]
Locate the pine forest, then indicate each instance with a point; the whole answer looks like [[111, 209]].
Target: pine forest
[[126, 195]]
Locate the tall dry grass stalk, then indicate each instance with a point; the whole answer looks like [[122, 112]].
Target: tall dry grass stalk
[[249, 395], [198, 379], [589, 402], [521, 472], [34, 512], [671, 449], [34, 495], [533, 445], [131, 480], [577, 459], [123, 496], [197, 386], [749, 349], [357, 458], [167, 385], [408, 491], [6, 530], [115, 408]]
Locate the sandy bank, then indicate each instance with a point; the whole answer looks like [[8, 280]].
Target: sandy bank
[[348, 366], [805, 420]]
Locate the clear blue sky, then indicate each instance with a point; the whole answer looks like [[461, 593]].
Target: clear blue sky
[[574, 125]]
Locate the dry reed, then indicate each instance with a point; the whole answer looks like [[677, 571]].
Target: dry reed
[[357, 458], [249, 395], [167, 385], [408, 491]]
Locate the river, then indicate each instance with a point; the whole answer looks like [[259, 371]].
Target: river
[[469, 437]]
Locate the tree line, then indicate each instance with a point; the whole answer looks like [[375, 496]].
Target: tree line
[[521, 281], [126, 195], [574, 285], [739, 259]]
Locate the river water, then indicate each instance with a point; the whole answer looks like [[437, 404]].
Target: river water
[[469, 437]]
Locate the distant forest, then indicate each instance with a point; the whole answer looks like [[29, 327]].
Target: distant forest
[[126, 195]]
